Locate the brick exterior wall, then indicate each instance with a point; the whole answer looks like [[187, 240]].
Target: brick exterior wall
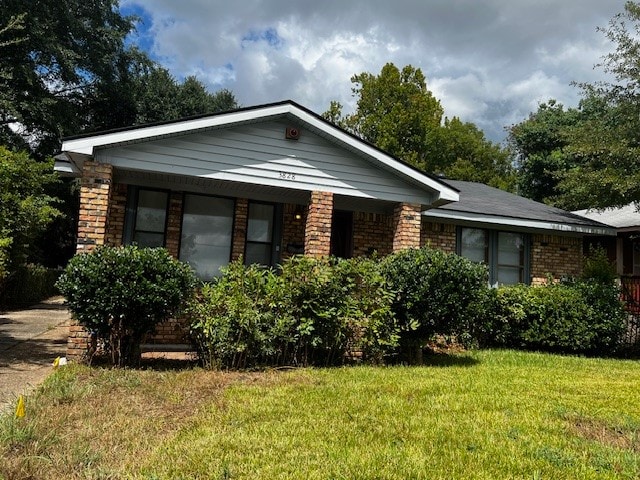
[[317, 233], [292, 230], [372, 232], [555, 255], [438, 235], [240, 218], [407, 222], [117, 211], [174, 224], [95, 195]]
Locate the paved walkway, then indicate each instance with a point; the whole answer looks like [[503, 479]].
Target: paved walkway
[[30, 339]]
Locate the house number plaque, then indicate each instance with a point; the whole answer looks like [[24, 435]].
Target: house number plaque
[[287, 176]]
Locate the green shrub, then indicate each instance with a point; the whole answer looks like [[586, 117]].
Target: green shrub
[[229, 317], [436, 294], [311, 312], [28, 284], [570, 317], [598, 267], [122, 293]]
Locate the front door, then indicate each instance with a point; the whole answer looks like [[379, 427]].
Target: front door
[[342, 234]]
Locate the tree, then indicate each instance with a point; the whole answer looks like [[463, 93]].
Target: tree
[[61, 58], [160, 97], [397, 113], [25, 208], [461, 151], [605, 144], [539, 143], [394, 111]]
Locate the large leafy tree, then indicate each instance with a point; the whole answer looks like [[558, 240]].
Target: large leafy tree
[[539, 143], [66, 68], [159, 96], [396, 112], [605, 143], [59, 61]]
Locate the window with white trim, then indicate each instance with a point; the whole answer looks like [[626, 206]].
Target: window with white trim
[[505, 253]]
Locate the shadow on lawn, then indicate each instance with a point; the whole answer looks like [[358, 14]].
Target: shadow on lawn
[[448, 360]]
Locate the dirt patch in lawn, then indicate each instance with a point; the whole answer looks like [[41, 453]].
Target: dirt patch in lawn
[[621, 437]]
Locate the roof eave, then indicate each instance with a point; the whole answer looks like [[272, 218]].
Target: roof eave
[[520, 223]]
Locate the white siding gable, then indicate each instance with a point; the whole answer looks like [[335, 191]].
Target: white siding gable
[[259, 154]]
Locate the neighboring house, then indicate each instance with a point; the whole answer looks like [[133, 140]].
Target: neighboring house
[[267, 182], [624, 248]]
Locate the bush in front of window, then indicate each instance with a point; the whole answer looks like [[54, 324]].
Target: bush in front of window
[[569, 317], [436, 294], [121, 293], [311, 312]]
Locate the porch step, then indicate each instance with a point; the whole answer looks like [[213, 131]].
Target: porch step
[[166, 347]]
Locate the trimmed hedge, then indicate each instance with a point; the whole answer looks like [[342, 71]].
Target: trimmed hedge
[[436, 293], [570, 317], [122, 293]]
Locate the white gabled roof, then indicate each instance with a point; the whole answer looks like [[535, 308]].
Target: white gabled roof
[[86, 145], [627, 217]]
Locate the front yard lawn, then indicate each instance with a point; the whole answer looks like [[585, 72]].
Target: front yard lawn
[[482, 414]]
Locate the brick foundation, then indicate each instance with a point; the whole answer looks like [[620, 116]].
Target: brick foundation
[[407, 222], [555, 255], [317, 233]]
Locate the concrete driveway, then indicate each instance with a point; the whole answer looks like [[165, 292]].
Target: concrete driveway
[[30, 339]]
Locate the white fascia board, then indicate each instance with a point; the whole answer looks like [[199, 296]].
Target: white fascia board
[[518, 223], [87, 145]]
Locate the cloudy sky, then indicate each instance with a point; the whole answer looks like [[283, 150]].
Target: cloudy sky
[[490, 62]]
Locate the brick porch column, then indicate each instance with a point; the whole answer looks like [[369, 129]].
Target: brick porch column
[[174, 224], [239, 228], [317, 232], [95, 194], [406, 226]]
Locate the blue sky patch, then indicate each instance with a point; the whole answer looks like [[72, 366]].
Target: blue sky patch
[[142, 37], [269, 36]]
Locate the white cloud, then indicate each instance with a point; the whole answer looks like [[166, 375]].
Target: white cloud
[[488, 61]]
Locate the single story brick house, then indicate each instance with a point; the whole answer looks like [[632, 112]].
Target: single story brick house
[[275, 180]]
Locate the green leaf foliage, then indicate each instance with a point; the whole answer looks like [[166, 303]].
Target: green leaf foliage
[[311, 312], [122, 293], [436, 293], [399, 114], [573, 317], [25, 208]]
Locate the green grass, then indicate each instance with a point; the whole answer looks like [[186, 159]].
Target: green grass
[[484, 415]]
